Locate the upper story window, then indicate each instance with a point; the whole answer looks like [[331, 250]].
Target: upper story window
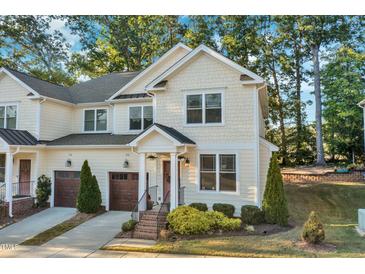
[[8, 116], [140, 117], [204, 108], [95, 120], [218, 172]]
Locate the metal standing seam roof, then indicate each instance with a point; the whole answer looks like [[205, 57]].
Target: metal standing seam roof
[[18, 137]]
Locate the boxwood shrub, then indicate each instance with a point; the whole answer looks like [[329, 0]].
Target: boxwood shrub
[[199, 206], [129, 225], [252, 215], [226, 209]]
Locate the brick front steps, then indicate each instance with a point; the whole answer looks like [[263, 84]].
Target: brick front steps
[[149, 224]]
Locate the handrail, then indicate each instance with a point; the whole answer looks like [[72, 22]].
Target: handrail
[[2, 192], [22, 189], [164, 203], [135, 212]]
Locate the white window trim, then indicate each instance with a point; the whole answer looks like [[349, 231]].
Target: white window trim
[[203, 93], [95, 111], [142, 113], [217, 171], [10, 104]]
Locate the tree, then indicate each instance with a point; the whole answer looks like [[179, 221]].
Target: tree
[[322, 32], [89, 196], [274, 203], [343, 81], [43, 190], [27, 44], [200, 30]]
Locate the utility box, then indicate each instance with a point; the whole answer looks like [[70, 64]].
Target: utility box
[[361, 218]]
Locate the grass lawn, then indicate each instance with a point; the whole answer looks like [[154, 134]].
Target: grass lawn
[[59, 229], [337, 204]]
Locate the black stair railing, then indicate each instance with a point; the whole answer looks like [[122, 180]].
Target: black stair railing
[[3, 213], [165, 207], [148, 197]]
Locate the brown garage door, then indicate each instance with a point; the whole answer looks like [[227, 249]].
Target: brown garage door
[[67, 184], [123, 190]]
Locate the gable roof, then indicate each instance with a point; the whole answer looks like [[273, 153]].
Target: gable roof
[[17, 137], [177, 137], [152, 66], [154, 84]]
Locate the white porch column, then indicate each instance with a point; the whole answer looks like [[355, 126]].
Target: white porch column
[[9, 181], [142, 184], [174, 189]]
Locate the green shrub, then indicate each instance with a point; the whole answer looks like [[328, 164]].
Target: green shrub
[[199, 206], [313, 231], [89, 197], [43, 190], [129, 225], [252, 215], [226, 209], [274, 203], [215, 219], [186, 220], [230, 224]]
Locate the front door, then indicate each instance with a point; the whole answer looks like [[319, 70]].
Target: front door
[[166, 177], [24, 177]]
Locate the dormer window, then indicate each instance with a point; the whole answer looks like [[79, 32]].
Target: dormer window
[[95, 120], [8, 116]]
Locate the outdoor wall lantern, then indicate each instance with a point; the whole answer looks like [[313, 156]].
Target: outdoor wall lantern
[[126, 164], [68, 163], [187, 162]]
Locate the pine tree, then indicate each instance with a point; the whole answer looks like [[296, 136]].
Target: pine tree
[[89, 197], [274, 204], [313, 231]]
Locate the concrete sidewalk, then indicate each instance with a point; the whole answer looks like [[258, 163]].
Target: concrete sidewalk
[[52, 252], [32, 225], [92, 234]]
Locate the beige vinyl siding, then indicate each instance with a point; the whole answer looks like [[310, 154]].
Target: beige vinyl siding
[[202, 74], [13, 92], [139, 86], [56, 120], [265, 156], [101, 161], [246, 181], [121, 113], [78, 118]]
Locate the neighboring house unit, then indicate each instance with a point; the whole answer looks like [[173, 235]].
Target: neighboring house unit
[[190, 126]]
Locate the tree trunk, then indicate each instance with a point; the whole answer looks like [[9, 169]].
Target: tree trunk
[[298, 107], [281, 118], [317, 92]]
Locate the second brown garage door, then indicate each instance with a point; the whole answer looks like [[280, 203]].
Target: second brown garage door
[[67, 184], [123, 190]]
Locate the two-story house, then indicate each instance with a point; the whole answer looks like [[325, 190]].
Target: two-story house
[[189, 128]]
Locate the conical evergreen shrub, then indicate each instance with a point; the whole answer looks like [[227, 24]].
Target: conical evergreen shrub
[[89, 197], [274, 204], [313, 231]]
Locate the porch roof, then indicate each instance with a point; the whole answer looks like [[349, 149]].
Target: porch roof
[[173, 133], [92, 139], [17, 137]]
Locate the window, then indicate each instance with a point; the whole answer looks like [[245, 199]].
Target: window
[[2, 168], [204, 108], [140, 117], [8, 115], [95, 120], [218, 172]]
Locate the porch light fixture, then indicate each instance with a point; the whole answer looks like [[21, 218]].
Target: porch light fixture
[[187, 162], [68, 163], [126, 164]]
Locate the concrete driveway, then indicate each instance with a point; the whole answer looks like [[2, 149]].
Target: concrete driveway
[[92, 234], [31, 226]]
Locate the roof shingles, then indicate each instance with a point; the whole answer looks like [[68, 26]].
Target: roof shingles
[[17, 137]]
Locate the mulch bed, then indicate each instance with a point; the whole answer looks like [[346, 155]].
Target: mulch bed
[[323, 247], [4, 222]]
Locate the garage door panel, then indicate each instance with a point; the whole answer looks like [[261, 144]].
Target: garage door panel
[[123, 188], [67, 184]]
